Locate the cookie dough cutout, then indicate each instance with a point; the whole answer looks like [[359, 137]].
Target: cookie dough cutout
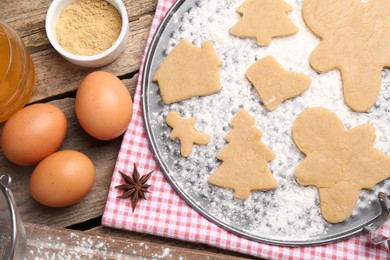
[[264, 20], [274, 84], [183, 129], [188, 71], [355, 39], [339, 162], [244, 159]]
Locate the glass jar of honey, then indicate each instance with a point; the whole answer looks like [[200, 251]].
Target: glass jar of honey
[[16, 72]]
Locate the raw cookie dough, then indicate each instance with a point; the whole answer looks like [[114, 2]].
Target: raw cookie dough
[[183, 129], [264, 20], [274, 84], [355, 39], [339, 162], [188, 71], [244, 159]]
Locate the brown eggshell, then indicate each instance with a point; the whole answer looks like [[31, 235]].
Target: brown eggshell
[[62, 179], [33, 133], [103, 105]]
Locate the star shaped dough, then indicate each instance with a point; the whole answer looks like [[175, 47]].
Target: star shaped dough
[[183, 129], [355, 39], [339, 162], [264, 20], [274, 84]]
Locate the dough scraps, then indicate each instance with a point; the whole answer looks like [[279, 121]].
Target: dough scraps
[[355, 39], [274, 84], [183, 129], [339, 162], [188, 71], [244, 159], [264, 20]]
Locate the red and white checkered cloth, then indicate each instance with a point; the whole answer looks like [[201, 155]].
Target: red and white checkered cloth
[[165, 214]]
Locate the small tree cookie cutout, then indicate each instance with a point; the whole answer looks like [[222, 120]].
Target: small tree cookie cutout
[[188, 71], [264, 20], [339, 162], [355, 39], [274, 84], [183, 129], [244, 159]]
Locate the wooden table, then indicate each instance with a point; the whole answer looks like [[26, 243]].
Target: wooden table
[[74, 231]]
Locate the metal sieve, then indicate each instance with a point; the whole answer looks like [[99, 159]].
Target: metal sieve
[[12, 233]]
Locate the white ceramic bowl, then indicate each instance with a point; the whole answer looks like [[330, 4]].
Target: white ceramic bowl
[[94, 61]]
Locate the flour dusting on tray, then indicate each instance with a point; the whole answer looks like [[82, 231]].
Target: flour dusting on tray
[[290, 212]]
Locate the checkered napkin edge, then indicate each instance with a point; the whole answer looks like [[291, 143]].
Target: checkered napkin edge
[[165, 214]]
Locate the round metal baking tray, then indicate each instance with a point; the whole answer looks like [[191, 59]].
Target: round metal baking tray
[[152, 104]]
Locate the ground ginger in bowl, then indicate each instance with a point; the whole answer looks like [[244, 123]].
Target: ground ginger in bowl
[[88, 33], [88, 27]]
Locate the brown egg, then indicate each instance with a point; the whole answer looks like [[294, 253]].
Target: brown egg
[[103, 105], [33, 133], [62, 179]]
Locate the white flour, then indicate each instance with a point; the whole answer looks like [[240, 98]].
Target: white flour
[[290, 212]]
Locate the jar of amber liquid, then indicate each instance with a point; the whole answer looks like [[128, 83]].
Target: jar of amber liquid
[[16, 72]]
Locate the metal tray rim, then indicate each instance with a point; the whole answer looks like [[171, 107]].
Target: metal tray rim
[[145, 82]]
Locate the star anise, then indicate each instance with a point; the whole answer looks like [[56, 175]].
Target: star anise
[[135, 186]]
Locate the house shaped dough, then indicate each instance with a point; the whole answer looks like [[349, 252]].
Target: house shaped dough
[[188, 71]]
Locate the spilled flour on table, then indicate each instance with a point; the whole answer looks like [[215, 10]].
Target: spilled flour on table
[[74, 246], [290, 212]]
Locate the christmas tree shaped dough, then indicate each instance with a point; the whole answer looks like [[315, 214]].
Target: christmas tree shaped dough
[[355, 39], [264, 20], [244, 159], [339, 162], [274, 84], [188, 71], [183, 129]]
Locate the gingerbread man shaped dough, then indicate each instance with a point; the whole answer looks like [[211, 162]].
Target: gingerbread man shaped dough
[[339, 162], [355, 39], [183, 129]]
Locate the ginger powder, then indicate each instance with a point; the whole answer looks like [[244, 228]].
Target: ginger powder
[[88, 27]]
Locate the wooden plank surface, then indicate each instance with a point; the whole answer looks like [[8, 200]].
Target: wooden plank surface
[[48, 243], [54, 75], [56, 83], [102, 153]]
